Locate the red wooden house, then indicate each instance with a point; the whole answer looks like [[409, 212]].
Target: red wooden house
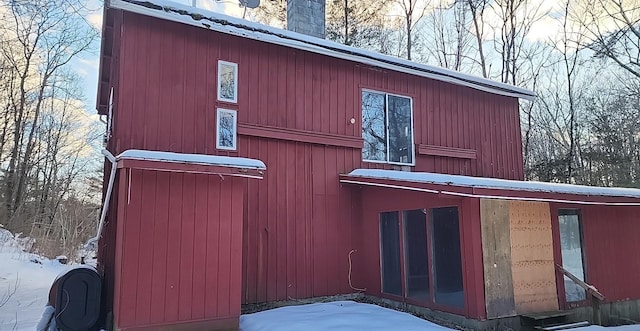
[[383, 175]]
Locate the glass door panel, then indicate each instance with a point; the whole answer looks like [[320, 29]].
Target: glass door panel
[[416, 256], [446, 255], [390, 253]]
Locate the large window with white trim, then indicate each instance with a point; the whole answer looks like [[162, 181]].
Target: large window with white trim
[[387, 128]]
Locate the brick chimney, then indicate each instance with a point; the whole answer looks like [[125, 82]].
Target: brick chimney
[[306, 16]]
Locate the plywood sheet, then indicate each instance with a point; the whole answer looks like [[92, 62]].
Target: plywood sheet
[[496, 254], [533, 272]]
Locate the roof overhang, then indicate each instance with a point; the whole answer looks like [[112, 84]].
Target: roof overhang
[[191, 163], [209, 20], [492, 188]]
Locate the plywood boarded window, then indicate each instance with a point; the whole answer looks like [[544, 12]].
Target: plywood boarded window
[[572, 252]]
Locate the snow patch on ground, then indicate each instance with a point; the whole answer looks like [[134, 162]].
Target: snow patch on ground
[[25, 280], [352, 316], [335, 316]]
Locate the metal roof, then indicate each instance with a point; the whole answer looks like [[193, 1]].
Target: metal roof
[[176, 12]]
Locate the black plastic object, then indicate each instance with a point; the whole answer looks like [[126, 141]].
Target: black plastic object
[[78, 299]]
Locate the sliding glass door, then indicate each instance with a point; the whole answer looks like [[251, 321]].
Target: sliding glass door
[[421, 256]]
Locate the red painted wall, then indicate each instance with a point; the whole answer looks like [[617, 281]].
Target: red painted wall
[[610, 242], [178, 250], [300, 222], [367, 260]]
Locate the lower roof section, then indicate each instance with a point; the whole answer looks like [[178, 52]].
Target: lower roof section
[[191, 163], [466, 186]]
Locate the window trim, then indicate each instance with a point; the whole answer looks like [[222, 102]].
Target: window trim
[[234, 114], [235, 81], [386, 124], [578, 213]]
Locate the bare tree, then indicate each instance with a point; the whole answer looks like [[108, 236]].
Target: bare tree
[[612, 156], [44, 141], [611, 28], [413, 11], [477, 8], [449, 40], [516, 19], [271, 12], [357, 23], [43, 37]]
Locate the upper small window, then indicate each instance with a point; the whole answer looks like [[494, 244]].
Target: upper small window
[[227, 130], [227, 81], [387, 128]]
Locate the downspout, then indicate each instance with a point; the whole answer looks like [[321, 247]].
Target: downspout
[[91, 243]]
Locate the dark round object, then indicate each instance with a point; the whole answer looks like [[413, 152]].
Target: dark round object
[[77, 300]]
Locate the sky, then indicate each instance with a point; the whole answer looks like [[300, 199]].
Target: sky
[[87, 65]]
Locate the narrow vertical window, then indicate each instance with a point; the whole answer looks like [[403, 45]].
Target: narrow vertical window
[[390, 253], [226, 129], [374, 129], [416, 257], [572, 252], [227, 81], [400, 130], [447, 257]]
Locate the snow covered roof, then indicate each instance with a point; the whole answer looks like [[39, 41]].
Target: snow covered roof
[[176, 12], [493, 183], [201, 159]]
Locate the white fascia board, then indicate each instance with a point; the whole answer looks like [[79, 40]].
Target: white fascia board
[[202, 159], [251, 30], [494, 183]]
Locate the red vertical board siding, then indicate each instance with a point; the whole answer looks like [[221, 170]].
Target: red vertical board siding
[[610, 235], [167, 100], [472, 259], [199, 277], [161, 237]]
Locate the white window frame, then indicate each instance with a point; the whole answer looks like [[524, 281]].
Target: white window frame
[[222, 63], [234, 140], [386, 125], [107, 134]]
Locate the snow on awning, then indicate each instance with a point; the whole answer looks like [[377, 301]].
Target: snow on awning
[[467, 186], [191, 163]]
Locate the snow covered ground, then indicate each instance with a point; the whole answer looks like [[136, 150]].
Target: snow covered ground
[[334, 316], [25, 286], [352, 316]]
